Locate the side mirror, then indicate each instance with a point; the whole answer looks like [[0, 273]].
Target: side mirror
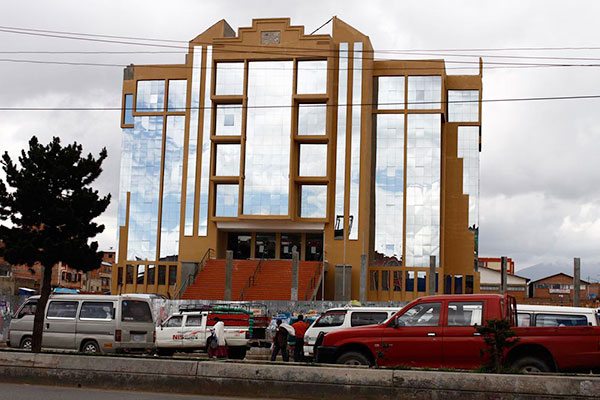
[[397, 322]]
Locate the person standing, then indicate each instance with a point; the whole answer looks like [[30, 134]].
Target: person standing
[[300, 328], [280, 341], [218, 335]]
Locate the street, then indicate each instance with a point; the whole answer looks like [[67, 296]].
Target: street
[[9, 391]]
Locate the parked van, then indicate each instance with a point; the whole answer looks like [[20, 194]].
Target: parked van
[[539, 315], [87, 323], [338, 318]]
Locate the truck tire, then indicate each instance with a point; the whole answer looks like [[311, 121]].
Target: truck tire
[[90, 347], [530, 365], [236, 353], [26, 343], [353, 358]]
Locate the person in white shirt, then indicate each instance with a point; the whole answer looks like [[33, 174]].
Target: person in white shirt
[[218, 331]]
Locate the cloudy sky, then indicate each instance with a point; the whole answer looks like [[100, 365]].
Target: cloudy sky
[[540, 169]]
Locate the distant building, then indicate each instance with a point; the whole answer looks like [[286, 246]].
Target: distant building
[[557, 289], [490, 282], [269, 139], [496, 264]]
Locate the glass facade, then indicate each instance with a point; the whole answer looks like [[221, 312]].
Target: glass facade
[[313, 160], [230, 79], [340, 155], [390, 93], [312, 119], [227, 160], [267, 163], [227, 200], [463, 105], [150, 96], [171, 202], [177, 95], [312, 77], [229, 120], [389, 187], [424, 92], [205, 167], [190, 190], [144, 154], [313, 201], [128, 115], [355, 143], [423, 189], [468, 150]]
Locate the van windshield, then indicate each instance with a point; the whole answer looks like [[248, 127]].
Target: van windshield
[[332, 318], [136, 311]]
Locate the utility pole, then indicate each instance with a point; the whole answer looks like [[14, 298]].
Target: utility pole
[[503, 275], [432, 276], [576, 280]]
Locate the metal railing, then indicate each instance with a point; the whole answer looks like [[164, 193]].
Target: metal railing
[[192, 277], [252, 278], [314, 283]]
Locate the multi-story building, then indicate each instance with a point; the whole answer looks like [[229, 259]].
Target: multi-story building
[[271, 139]]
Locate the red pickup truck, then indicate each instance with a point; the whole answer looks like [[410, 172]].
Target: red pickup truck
[[439, 332]]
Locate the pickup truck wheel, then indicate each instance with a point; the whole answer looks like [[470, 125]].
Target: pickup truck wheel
[[528, 365], [237, 353], [353, 358]]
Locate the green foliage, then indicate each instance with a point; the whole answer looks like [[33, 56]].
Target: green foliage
[[499, 338], [47, 208]]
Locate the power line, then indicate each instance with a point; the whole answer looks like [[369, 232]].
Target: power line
[[182, 109]]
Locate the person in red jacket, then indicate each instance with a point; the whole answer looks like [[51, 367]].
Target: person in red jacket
[[300, 328]]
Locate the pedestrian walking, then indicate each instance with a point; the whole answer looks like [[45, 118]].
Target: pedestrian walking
[[216, 345], [300, 328], [280, 342]]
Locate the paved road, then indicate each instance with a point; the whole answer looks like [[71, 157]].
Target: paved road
[[10, 391]]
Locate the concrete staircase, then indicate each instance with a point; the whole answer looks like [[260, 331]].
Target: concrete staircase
[[273, 280]]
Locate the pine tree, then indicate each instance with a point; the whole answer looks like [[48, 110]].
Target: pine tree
[[47, 208]]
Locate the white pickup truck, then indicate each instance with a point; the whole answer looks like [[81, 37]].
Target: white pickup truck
[[189, 330]]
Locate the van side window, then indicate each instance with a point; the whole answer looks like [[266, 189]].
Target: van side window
[[194, 320], [96, 310], [136, 311], [335, 318], [27, 309], [465, 313], [560, 320], [524, 319], [360, 318], [62, 309]]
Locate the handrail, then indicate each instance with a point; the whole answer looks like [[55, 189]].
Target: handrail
[[192, 277], [252, 278], [310, 293]]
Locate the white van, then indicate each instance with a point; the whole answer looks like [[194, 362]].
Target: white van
[[87, 323], [339, 318], [540, 315]]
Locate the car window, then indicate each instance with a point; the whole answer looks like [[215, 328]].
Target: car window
[[136, 311], [560, 320], [194, 320], [360, 318], [330, 319], [96, 310], [465, 313], [28, 309], [173, 322], [523, 319], [423, 314], [62, 309]]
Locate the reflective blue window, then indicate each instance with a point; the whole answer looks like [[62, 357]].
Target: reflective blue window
[[311, 119], [355, 144], [227, 200], [177, 94], [128, 115], [267, 163], [313, 160], [389, 187], [468, 150], [228, 160], [340, 153], [313, 201], [205, 167], [145, 147], [229, 120], [463, 105], [150, 96], [390, 93], [312, 77], [230, 78], [424, 92], [171, 204]]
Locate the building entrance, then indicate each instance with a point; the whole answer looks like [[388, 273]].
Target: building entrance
[[275, 245], [240, 244]]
